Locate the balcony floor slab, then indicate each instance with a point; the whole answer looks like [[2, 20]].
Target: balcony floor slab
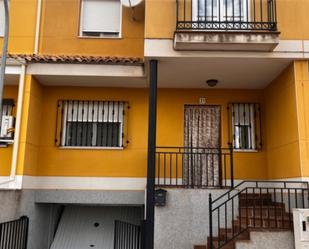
[[225, 41]]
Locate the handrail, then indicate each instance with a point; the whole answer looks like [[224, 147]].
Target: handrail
[[194, 167], [257, 182], [269, 202]]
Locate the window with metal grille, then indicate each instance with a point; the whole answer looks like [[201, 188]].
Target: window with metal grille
[[98, 124], [245, 126], [7, 121]]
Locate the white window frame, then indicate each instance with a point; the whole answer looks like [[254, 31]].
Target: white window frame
[[95, 117], [103, 35], [238, 119], [222, 12]]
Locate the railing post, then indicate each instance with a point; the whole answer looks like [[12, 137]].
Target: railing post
[[231, 165], [210, 223]]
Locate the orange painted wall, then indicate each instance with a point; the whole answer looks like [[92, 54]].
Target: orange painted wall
[[49, 160], [54, 161], [6, 153], [282, 140], [22, 26], [29, 136], [171, 123], [60, 32], [302, 93]]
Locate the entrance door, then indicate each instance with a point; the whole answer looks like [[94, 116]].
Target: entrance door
[[202, 146]]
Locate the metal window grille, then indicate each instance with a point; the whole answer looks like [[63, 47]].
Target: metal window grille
[[246, 126], [99, 124], [8, 122]]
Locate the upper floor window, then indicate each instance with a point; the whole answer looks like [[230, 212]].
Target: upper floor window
[[223, 10], [99, 124], [7, 122], [245, 126], [100, 18]]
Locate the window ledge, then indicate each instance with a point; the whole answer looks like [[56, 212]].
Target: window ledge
[[4, 143], [100, 38], [245, 151], [89, 148]]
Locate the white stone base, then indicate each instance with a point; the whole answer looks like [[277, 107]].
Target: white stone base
[[226, 41]]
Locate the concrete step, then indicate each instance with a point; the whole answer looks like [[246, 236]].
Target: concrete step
[[271, 222], [255, 196], [264, 210]]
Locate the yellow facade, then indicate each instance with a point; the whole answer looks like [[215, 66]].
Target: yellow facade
[[302, 104], [22, 26], [281, 127], [284, 102], [41, 157], [284, 135], [59, 36]]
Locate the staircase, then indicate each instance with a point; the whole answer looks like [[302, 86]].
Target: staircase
[[253, 209]]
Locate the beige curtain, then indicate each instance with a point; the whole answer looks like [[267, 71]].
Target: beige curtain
[[202, 143]]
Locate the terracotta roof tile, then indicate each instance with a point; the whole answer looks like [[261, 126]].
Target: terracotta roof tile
[[31, 58]]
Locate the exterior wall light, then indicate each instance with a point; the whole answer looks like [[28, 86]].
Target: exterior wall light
[[212, 82]]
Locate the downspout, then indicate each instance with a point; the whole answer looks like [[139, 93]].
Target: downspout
[[4, 52], [38, 26], [21, 87]]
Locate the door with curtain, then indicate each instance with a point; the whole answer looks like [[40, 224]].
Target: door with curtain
[[201, 164]]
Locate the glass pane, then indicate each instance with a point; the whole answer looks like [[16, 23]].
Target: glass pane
[[109, 134], [208, 8], [233, 8], [242, 137], [244, 128], [89, 134]]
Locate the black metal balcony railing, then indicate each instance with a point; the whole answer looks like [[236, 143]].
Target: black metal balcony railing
[[194, 167], [229, 15]]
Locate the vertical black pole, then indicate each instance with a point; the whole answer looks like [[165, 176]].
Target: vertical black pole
[[210, 222], [232, 164], [152, 116]]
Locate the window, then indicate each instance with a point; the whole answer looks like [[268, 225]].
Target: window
[[100, 18], [8, 121], [220, 10], [91, 123], [245, 128]]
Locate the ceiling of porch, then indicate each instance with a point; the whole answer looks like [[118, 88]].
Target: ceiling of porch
[[231, 73]]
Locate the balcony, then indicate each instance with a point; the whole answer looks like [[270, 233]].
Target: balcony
[[235, 25]]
